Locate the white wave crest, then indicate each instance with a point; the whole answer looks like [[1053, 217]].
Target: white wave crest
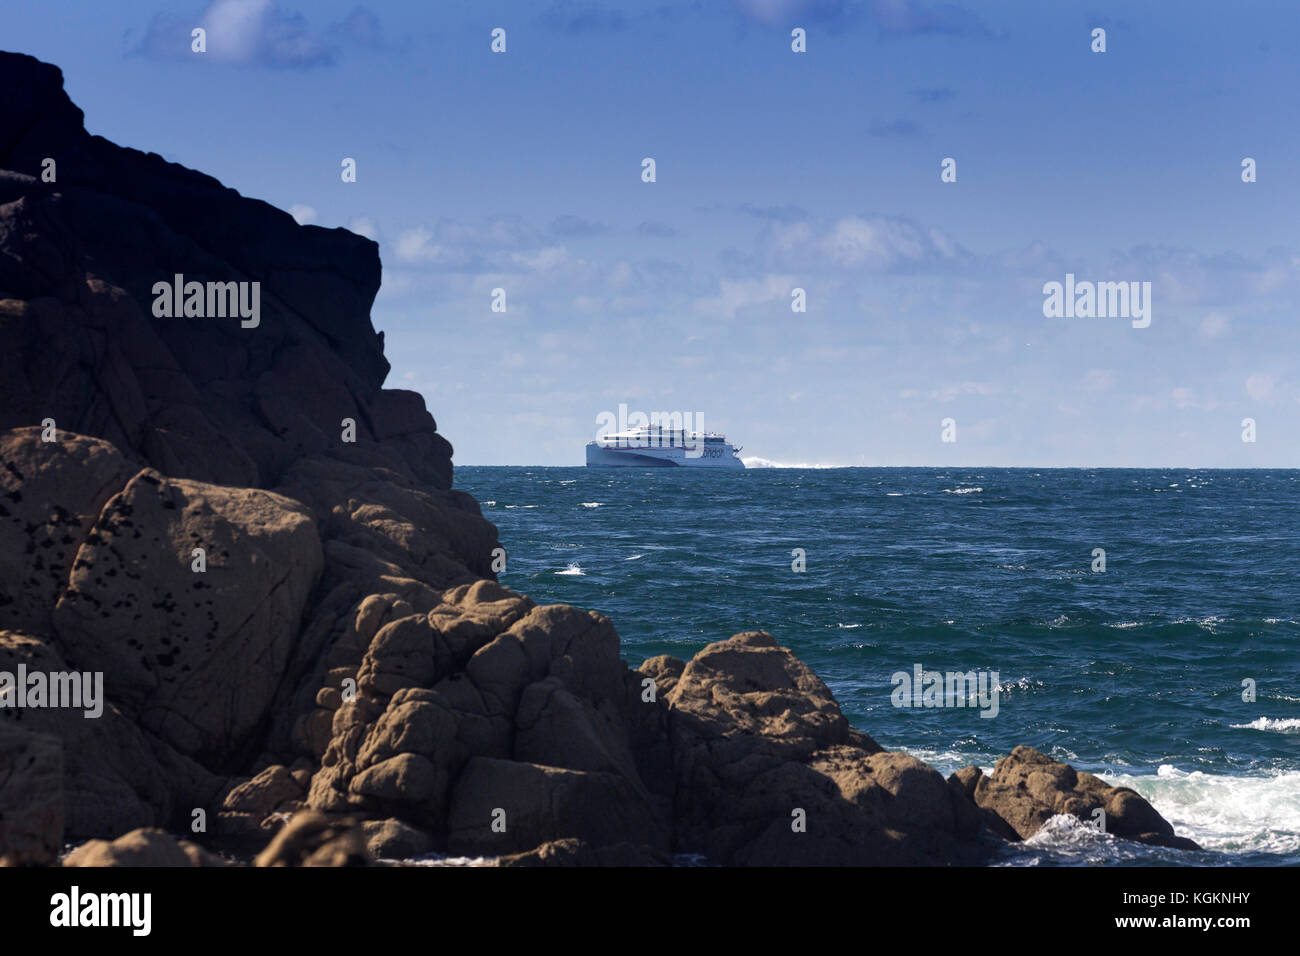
[[1023, 684], [768, 463], [1281, 725], [1231, 814]]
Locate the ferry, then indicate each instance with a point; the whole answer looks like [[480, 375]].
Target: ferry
[[653, 446]]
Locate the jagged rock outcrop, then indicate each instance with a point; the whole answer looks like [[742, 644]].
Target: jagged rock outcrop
[[315, 839], [115, 776], [127, 441], [146, 846], [200, 398], [1028, 788], [299, 634], [491, 724], [769, 772], [263, 803], [393, 839]]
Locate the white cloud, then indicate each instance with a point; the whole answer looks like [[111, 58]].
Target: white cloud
[[949, 392], [1261, 386], [1214, 325], [736, 294], [475, 247], [302, 214], [543, 260], [256, 32], [234, 27], [415, 245], [364, 226], [854, 243], [771, 11]]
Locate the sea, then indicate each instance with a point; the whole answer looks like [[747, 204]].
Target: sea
[[1143, 625]]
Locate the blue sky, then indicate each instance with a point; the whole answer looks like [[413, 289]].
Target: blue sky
[[775, 170]]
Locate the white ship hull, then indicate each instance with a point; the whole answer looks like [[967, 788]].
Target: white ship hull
[[705, 456]]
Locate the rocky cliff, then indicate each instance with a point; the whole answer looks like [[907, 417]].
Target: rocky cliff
[[260, 549]]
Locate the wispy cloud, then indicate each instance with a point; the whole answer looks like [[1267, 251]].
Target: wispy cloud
[[913, 18], [1215, 324], [576, 17], [655, 230], [895, 129], [1261, 386], [734, 295], [364, 226], [857, 243], [1184, 397], [950, 392], [785, 12], [456, 246], [777, 213], [1218, 280], [257, 33], [1095, 18], [361, 27], [575, 227]]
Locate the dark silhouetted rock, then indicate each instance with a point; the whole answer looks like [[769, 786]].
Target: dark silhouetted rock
[[31, 797]]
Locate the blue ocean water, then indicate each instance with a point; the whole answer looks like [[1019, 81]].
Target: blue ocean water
[[1135, 673]]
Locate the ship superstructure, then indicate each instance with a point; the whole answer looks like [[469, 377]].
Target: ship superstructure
[[653, 446]]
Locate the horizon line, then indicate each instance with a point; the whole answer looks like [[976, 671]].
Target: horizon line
[[934, 467]]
